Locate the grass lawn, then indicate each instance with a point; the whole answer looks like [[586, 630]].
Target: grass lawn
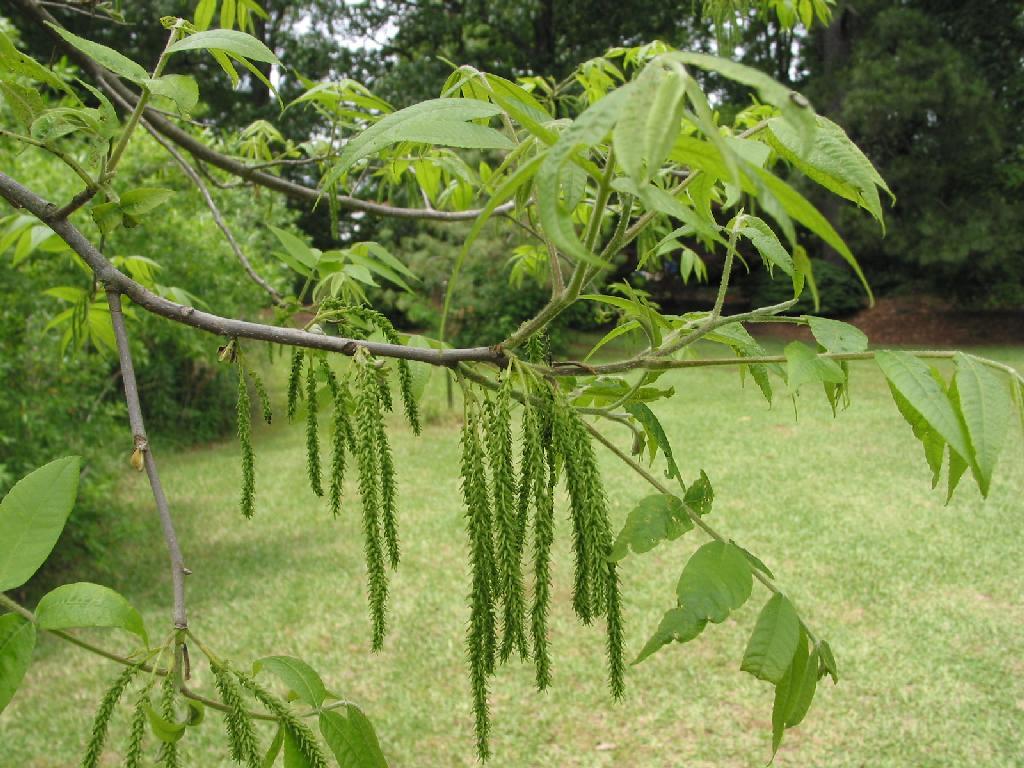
[[921, 602]]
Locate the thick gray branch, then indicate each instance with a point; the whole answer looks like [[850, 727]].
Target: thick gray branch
[[22, 197]]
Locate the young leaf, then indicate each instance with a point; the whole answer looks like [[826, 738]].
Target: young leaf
[[934, 445], [836, 336], [116, 62], [17, 641], [352, 739], [767, 243], [700, 495], [680, 625], [773, 641], [915, 382], [985, 405], [229, 41], [803, 366], [443, 122], [833, 161], [715, 581], [650, 121], [655, 435], [297, 675], [32, 515], [793, 694], [165, 730], [138, 202], [654, 519], [181, 89], [88, 605]]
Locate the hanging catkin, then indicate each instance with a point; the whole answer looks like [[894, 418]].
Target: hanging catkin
[[168, 756], [302, 737], [244, 427], [312, 433], [238, 722], [101, 723], [294, 382], [480, 638], [507, 542], [369, 420], [342, 429], [137, 730]]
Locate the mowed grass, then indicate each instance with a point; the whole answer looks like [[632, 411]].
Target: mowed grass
[[921, 602]]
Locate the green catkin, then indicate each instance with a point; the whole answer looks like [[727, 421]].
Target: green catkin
[[304, 738], [597, 591], [388, 492], [133, 752], [341, 428], [404, 374], [615, 642], [168, 755], [385, 391], [312, 433], [507, 549], [533, 488], [238, 722], [368, 421], [244, 428], [101, 723], [261, 392], [480, 637], [294, 380]]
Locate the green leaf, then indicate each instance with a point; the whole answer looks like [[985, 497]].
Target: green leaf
[[138, 202], [700, 495], [196, 713], [20, 63], [654, 519], [679, 625], [915, 382], [296, 248], [715, 581], [181, 89], [274, 749], [88, 605], [32, 516], [827, 662], [773, 642], [793, 694], [984, 403], [116, 62], [17, 641], [655, 434], [163, 729], [833, 161], [795, 108], [352, 739], [932, 441], [767, 243], [588, 129], [228, 40], [650, 121], [798, 207], [297, 675], [803, 366], [836, 336], [293, 756], [614, 333], [442, 122], [107, 216]]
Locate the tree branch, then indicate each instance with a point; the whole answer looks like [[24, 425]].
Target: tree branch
[[141, 445], [22, 197], [129, 101], [194, 177]]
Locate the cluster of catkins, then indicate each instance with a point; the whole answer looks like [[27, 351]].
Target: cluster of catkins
[[359, 403], [499, 500], [168, 722]]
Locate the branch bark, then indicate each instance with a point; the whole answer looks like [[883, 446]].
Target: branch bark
[[141, 445], [128, 101]]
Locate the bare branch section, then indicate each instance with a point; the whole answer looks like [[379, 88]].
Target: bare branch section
[[141, 446], [229, 236], [22, 197], [128, 101]]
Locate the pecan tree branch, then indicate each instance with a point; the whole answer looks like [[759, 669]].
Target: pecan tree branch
[[22, 197], [229, 236], [128, 101], [141, 445]]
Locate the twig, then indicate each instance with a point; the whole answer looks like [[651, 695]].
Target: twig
[[141, 444], [189, 171]]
